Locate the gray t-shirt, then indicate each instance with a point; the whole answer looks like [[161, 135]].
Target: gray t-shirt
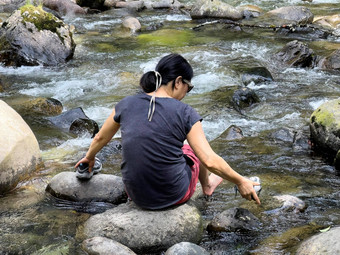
[[155, 173]]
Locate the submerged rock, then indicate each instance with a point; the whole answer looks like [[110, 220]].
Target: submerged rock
[[234, 219], [100, 188], [290, 204], [76, 122], [256, 75], [102, 245], [297, 54], [232, 133], [214, 9], [19, 151], [31, 36], [244, 97], [146, 231], [326, 243], [186, 248]]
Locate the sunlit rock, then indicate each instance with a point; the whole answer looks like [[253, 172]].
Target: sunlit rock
[[64, 7], [214, 9], [31, 36], [297, 15], [103, 245], [250, 11], [133, 5], [19, 151], [132, 24], [76, 122], [163, 4], [326, 243], [100, 188], [185, 248], [234, 219], [37, 106], [330, 22], [297, 54], [146, 231]]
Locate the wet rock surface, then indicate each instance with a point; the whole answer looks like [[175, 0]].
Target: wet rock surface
[[234, 219]]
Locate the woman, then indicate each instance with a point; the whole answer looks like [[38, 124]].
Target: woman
[[158, 170]]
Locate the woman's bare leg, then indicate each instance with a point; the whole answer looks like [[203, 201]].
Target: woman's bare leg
[[208, 181]]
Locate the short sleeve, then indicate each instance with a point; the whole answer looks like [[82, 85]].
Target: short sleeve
[[191, 117], [119, 108]]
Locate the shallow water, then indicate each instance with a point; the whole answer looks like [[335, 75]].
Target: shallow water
[[106, 67]]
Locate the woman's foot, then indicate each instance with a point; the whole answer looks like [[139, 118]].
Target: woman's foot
[[214, 181]]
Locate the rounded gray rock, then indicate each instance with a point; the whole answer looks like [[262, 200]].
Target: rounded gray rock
[[326, 243], [100, 188], [186, 248], [146, 231]]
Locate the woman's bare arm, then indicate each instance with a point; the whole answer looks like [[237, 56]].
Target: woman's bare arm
[[217, 165], [105, 134]]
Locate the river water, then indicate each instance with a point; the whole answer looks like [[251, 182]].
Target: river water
[[107, 65]]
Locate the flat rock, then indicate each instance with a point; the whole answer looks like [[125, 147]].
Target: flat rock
[[100, 188]]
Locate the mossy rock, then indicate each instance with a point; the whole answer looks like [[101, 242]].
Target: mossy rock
[[325, 127], [41, 19], [166, 37]]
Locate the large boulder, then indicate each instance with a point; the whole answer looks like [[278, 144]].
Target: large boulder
[[296, 15], [31, 36], [146, 231], [326, 243], [100, 188], [19, 151], [215, 9], [325, 128], [296, 54], [64, 7]]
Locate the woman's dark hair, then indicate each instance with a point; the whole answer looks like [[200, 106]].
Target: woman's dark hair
[[169, 67]]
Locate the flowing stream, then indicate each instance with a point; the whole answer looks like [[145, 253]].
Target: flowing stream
[[107, 65]]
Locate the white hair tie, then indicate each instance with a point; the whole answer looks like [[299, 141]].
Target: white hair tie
[[152, 105]]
